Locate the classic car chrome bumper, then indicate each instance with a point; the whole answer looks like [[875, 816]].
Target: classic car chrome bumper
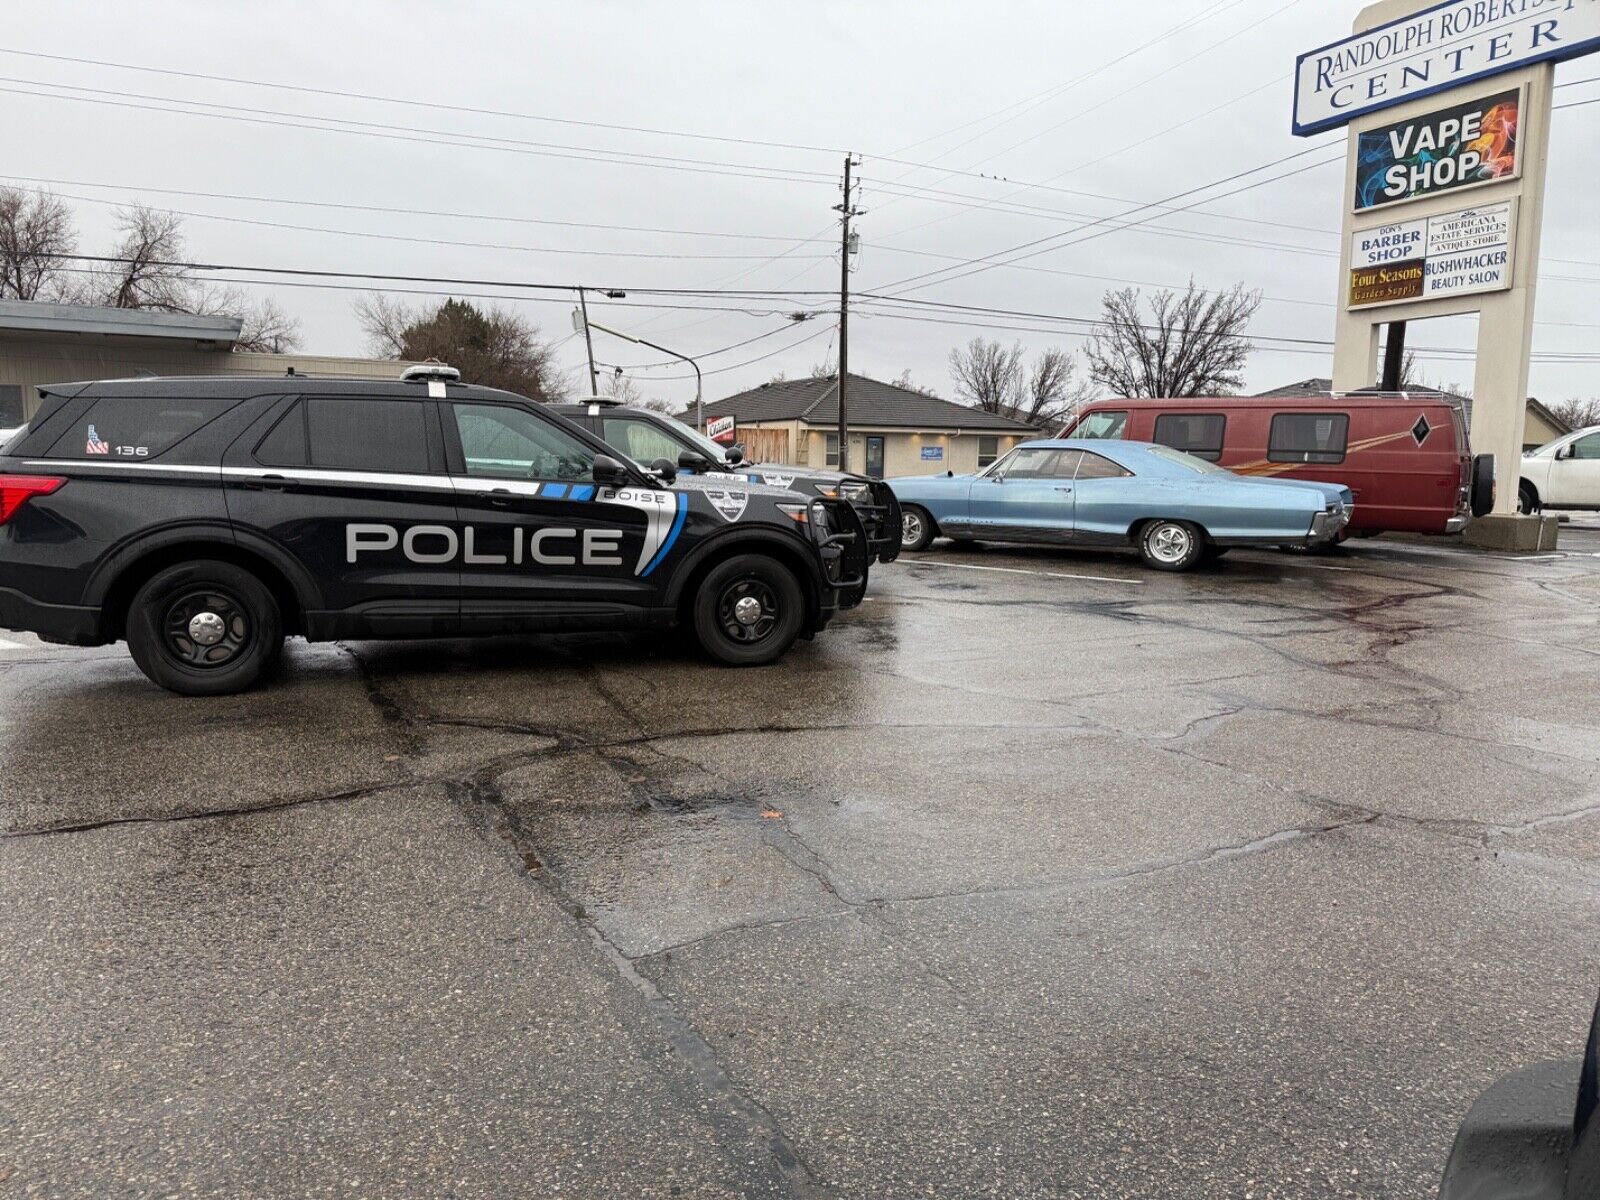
[[1329, 523]]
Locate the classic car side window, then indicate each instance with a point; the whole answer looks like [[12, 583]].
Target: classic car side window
[[1097, 466], [1030, 462]]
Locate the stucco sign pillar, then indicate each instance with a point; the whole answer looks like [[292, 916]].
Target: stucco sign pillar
[[1448, 111]]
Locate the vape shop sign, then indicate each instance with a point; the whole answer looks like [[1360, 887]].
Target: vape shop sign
[[1457, 253]]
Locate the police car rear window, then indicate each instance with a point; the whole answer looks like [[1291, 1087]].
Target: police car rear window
[[134, 427], [367, 435]]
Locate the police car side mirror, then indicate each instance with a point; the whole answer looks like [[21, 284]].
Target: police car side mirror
[[736, 454], [609, 472], [665, 469], [689, 460]]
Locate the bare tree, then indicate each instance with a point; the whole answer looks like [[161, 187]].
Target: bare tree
[[826, 369], [988, 375], [905, 381], [35, 230], [493, 347], [267, 328], [148, 270], [999, 380], [1191, 344], [1053, 392], [620, 388], [1577, 413]]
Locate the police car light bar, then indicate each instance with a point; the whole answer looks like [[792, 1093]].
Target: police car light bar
[[430, 373]]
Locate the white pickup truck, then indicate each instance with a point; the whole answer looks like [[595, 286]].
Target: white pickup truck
[[1564, 473]]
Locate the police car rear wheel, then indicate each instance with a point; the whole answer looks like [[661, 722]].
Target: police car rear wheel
[[748, 610], [204, 629]]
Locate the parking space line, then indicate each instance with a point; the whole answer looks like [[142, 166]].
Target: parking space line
[[1025, 571]]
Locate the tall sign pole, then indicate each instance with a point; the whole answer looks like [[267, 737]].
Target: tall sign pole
[[848, 211], [1448, 110]]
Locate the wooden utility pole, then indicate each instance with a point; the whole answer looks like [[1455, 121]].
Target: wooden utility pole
[[848, 211]]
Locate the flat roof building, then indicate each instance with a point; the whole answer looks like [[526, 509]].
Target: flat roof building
[[63, 343]]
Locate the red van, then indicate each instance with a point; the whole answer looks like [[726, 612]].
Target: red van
[[1405, 456]]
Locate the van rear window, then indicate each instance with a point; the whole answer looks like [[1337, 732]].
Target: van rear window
[[135, 426], [1199, 434], [1308, 437]]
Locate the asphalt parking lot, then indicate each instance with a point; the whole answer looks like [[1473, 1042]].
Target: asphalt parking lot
[[1040, 874]]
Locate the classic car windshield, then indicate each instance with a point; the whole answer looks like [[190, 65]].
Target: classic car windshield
[[1198, 465]]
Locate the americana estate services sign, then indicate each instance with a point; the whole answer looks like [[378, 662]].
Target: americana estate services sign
[[1441, 47]]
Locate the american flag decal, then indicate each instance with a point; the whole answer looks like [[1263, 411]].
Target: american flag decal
[[95, 445]]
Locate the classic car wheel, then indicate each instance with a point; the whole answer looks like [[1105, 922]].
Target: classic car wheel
[[1171, 545], [916, 528]]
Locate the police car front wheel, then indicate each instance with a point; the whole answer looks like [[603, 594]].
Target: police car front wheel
[[204, 628], [748, 610]]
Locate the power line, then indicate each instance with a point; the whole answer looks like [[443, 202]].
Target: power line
[[410, 212], [1036, 242], [509, 146], [445, 281], [412, 103], [395, 237], [747, 362]]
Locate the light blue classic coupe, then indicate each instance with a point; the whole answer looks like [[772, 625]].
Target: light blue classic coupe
[[1175, 509]]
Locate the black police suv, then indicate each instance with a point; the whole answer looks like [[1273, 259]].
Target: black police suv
[[646, 436], [203, 519]]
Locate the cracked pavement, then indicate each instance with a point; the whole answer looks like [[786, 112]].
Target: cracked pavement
[[1238, 883]]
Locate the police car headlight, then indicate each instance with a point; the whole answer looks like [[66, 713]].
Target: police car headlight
[[847, 490]]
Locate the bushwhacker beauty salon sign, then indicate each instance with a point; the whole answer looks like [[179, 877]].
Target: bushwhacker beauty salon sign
[[1442, 47]]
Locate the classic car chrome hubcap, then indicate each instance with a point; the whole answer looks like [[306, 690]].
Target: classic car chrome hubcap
[[910, 528], [1169, 543]]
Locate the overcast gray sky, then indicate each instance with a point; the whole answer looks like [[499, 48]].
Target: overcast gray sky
[[1065, 95]]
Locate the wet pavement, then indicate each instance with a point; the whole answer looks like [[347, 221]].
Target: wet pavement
[[1038, 875]]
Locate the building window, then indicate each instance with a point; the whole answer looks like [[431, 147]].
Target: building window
[[1308, 437], [988, 451], [1199, 434], [832, 454]]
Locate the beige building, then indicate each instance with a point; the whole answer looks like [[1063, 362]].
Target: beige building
[[893, 431], [62, 343]]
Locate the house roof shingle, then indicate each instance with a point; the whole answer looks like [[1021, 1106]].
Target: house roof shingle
[[872, 404]]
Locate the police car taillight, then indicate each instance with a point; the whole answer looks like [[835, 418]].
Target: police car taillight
[[17, 490]]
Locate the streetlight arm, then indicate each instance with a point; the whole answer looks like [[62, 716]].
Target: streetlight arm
[[699, 403]]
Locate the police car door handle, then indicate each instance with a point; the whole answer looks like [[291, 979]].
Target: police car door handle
[[271, 483], [500, 497]]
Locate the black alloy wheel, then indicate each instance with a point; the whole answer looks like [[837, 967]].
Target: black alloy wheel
[[204, 628], [748, 610]]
